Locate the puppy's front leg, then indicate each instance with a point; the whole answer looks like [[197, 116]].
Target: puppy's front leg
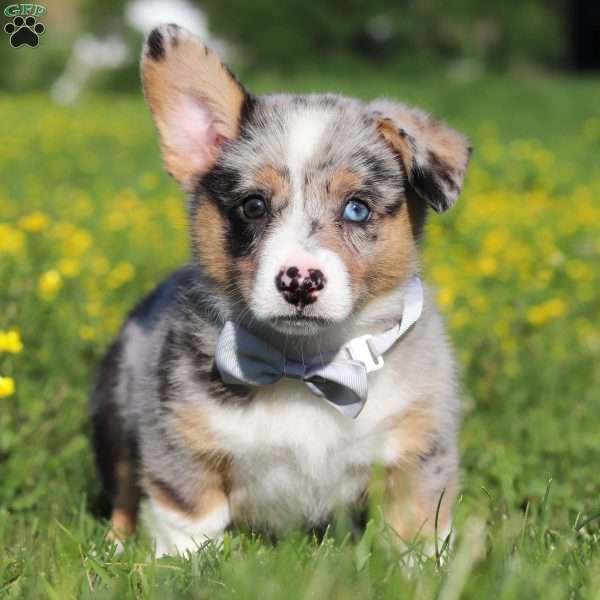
[[412, 493], [178, 528]]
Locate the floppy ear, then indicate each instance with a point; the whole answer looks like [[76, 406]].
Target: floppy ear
[[434, 156], [196, 102]]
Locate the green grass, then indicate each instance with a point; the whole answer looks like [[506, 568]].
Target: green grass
[[523, 314]]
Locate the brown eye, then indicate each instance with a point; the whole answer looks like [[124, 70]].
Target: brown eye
[[254, 207]]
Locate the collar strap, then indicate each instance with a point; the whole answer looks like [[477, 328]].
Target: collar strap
[[369, 349]]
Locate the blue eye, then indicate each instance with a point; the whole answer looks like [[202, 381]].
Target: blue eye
[[356, 211]]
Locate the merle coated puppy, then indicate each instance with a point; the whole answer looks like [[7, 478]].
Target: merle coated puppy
[[263, 382]]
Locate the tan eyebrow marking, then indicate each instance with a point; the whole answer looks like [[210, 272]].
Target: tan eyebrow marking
[[344, 182], [273, 178]]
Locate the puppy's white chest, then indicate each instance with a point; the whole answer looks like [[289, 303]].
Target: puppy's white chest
[[295, 459]]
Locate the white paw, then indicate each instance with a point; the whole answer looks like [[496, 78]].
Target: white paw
[[175, 533]]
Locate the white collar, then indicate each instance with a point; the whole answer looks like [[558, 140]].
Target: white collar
[[369, 349]]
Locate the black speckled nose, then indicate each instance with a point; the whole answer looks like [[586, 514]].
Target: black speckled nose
[[300, 287]]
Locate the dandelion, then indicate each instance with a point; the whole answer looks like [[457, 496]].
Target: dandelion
[[69, 267], [10, 341], [446, 297], [120, 275], [547, 311], [578, 270], [34, 223], [442, 274], [116, 220], [78, 243], [49, 284], [496, 240], [12, 240], [7, 386], [487, 265]]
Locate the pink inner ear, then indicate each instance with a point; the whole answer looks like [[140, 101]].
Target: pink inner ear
[[190, 133]]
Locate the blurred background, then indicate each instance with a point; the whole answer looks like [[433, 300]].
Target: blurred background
[[95, 45], [89, 222]]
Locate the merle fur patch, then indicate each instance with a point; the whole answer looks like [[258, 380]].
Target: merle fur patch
[[185, 351], [171, 494]]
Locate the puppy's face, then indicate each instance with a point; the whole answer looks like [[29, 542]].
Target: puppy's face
[[303, 207]]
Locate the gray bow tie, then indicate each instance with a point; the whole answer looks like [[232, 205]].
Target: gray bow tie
[[341, 379]]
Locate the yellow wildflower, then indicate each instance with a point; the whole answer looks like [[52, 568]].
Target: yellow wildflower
[[116, 220], [442, 274], [35, 222], [49, 284], [446, 297], [10, 341], [577, 270], [496, 241], [69, 267], [78, 242], [12, 240], [120, 275], [487, 265], [7, 386], [542, 313]]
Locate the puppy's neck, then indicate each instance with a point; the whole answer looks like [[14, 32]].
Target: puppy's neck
[[374, 318]]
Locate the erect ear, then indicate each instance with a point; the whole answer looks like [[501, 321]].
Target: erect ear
[[196, 102], [434, 156]]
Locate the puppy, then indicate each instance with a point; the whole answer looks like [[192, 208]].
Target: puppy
[[263, 383]]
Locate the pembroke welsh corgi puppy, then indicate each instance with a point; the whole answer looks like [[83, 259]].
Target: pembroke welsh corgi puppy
[[297, 353]]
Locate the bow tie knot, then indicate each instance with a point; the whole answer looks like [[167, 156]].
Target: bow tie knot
[[293, 369]]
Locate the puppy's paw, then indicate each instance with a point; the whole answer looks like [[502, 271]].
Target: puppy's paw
[[176, 533]]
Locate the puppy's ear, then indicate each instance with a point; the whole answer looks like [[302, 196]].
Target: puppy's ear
[[196, 102], [434, 156]]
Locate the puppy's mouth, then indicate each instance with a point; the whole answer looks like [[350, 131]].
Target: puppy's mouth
[[299, 324]]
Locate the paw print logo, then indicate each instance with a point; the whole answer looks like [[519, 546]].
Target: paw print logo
[[24, 31]]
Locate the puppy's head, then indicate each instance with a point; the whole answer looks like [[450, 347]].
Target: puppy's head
[[303, 208]]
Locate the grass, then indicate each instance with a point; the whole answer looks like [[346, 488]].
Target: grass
[[88, 222]]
